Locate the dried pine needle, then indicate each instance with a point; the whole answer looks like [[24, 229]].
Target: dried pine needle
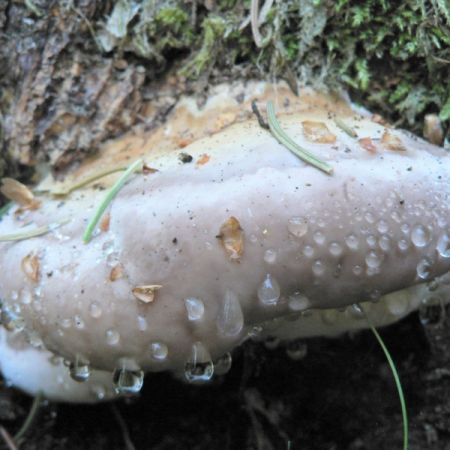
[[285, 140], [31, 233], [137, 165]]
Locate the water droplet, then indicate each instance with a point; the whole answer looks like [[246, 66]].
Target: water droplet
[[223, 364], [403, 245], [195, 308], [112, 337], [352, 242], [357, 270], [397, 303], [79, 370], [95, 310], [443, 246], [99, 391], [26, 297], [142, 323], [230, 319], [298, 302], [335, 249], [373, 259], [199, 367], [371, 240], [269, 291], [385, 243], [298, 226], [271, 342], [318, 268], [423, 268], [356, 311], [128, 381], [329, 316], [308, 251], [420, 236], [159, 351], [432, 311], [369, 217], [270, 256], [382, 226], [78, 321], [319, 238], [296, 350]]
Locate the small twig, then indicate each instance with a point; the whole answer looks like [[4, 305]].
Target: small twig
[[33, 8], [28, 234], [260, 42], [257, 113], [123, 428], [30, 418], [137, 165], [9, 441], [285, 140]]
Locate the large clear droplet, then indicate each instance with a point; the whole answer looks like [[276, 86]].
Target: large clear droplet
[[159, 351], [199, 367], [443, 246], [423, 268], [128, 381], [112, 337], [195, 308], [230, 319], [420, 236], [298, 302], [298, 226], [269, 291], [352, 242], [79, 370]]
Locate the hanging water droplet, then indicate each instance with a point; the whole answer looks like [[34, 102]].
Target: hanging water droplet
[[298, 302], [142, 323], [195, 308], [371, 240], [223, 364], [420, 236], [385, 243], [403, 245], [443, 246], [199, 367], [308, 251], [296, 350], [79, 370], [352, 242], [423, 268], [298, 226], [99, 391], [397, 303], [271, 342], [318, 268], [356, 311], [373, 259], [159, 351], [432, 311], [269, 291], [382, 226], [112, 337], [230, 319], [319, 238], [95, 310], [357, 270], [270, 256], [335, 249], [128, 381]]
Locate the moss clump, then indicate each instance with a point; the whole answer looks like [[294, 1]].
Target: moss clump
[[394, 56]]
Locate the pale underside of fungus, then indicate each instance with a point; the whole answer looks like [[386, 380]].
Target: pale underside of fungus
[[225, 234]]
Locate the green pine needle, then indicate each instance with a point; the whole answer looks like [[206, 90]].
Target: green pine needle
[[285, 140], [137, 165], [345, 128]]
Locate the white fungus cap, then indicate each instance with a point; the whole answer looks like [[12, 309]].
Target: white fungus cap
[[198, 256]]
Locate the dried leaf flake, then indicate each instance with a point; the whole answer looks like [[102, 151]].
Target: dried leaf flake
[[19, 193], [392, 142], [203, 159], [318, 132], [146, 294], [30, 266], [116, 272], [367, 144], [432, 129], [104, 223], [232, 238]]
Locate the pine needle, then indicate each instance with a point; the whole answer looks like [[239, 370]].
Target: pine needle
[[345, 128], [137, 165], [285, 140], [31, 233]]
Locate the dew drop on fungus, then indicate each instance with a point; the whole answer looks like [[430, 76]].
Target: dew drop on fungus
[[271, 343], [112, 337], [432, 311], [423, 268], [296, 350], [195, 308], [420, 236], [298, 226], [270, 256], [443, 246], [230, 319], [335, 249], [319, 238], [298, 302], [159, 351], [352, 242], [373, 260], [223, 364], [403, 245], [318, 268], [199, 367], [95, 310], [128, 381], [79, 370], [269, 291], [397, 303]]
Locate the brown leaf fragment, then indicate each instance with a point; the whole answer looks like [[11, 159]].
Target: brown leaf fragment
[[318, 132], [116, 272], [231, 236], [367, 144], [379, 119], [17, 192], [104, 223], [148, 170], [30, 266], [203, 159], [392, 142], [146, 294]]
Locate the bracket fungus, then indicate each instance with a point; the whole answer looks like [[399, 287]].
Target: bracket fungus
[[193, 258]]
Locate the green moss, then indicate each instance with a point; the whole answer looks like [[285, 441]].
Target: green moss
[[394, 56]]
